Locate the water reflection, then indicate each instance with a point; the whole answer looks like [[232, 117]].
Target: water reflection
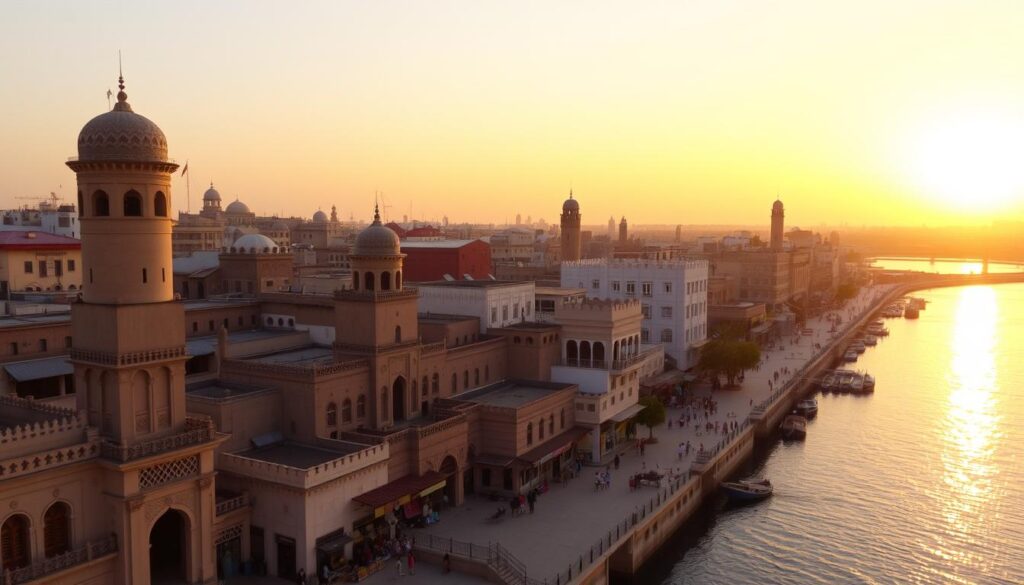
[[970, 427]]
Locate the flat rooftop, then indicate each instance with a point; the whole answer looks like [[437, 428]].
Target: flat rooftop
[[218, 390], [298, 456], [29, 320], [512, 393], [558, 291], [207, 344], [442, 318], [472, 283], [309, 355], [200, 304]]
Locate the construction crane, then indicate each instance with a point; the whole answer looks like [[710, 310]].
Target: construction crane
[[384, 205]]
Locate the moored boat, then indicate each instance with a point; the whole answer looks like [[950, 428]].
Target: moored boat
[[869, 383], [828, 382], [858, 346], [794, 426], [807, 407], [911, 313], [870, 340], [748, 491], [850, 356]]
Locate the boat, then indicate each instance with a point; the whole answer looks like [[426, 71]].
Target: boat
[[845, 383], [850, 356], [807, 407], [828, 382], [917, 303], [911, 313], [794, 426], [857, 385], [747, 491], [858, 347], [869, 383], [870, 340]]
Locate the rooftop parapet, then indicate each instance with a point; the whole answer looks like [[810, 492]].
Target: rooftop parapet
[[263, 464], [594, 308], [644, 263], [28, 426]]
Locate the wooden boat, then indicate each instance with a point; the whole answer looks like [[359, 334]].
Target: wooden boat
[[850, 356], [869, 383], [911, 313], [828, 383], [794, 426], [870, 340], [747, 491]]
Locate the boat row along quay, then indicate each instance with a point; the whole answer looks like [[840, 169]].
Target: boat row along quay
[[582, 535]]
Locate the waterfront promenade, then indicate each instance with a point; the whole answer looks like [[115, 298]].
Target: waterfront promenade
[[571, 517]]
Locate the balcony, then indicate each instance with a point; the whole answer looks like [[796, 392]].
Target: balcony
[[613, 365], [231, 504], [92, 550], [197, 431]]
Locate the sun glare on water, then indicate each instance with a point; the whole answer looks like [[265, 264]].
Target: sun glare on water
[[971, 162]]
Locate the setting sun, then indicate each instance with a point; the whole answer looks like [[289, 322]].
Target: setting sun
[[970, 162]]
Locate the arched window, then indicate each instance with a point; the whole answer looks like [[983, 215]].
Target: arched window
[[346, 411], [160, 204], [571, 353], [368, 281], [361, 407], [56, 530], [385, 281], [100, 204], [551, 424], [332, 415], [598, 353], [355, 280], [398, 280], [529, 434], [435, 384], [132, 204], [540, 429], [529, 340], [14, 544], [585, 352], [398, 333], [455, 382], [476, 376]]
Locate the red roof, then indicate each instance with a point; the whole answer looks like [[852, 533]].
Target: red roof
[[33, 240]]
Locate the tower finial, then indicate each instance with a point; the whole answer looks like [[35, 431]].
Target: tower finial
[[376, 212], [122, 97]]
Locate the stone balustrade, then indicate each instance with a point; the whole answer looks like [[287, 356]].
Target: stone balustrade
[[92, 550], [303, 478], [128, 359], [232, 504], [37, 461], [198, 430]]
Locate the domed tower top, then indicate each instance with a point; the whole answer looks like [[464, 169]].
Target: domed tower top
[[777, 206], [320, 217], [211, 198], [570, 205], [377, 258], [778, 224], [121, 135], [377, 240]]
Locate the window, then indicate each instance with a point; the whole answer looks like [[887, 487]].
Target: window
[[100, 204], [132, 204], [645, 335], [58, 268], [346, 411], [668, 287], [630, 288], [647, 289], [29, 267], [540, 429], [67, 341], [476, 376], [56, 533], [455, 382], [15, 543], [160, 204], [71, 265], [361, 407], [42, 268], [145, 278], [494, 314], [595, 284], [646, 310], [504, 313], [435, 384], [42, 345], [465, 379], [666, 312], [332, 415], [561, 419], [615, 286], [666, 335], [529, 434]]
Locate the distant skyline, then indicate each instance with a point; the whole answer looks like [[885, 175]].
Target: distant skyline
[[874, 113]]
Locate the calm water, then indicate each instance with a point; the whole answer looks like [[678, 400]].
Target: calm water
[[922, 482], [946, 267]]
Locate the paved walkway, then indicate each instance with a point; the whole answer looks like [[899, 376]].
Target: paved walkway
[[425, 575], [571, 517]]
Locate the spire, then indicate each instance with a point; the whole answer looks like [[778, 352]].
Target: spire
[[570, 192], [122, 97], [376, 214]]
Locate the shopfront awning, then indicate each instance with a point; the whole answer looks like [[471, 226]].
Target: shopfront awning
[[333, 544], [39, 369], [401, 491], [628, 413], [553, 448]]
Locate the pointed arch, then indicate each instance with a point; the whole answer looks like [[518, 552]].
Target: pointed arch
[[100, 204], [132, 204], [160, 204], [56, 529]]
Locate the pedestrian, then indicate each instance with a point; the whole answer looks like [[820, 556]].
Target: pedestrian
[[399, 568], [641, 448], [412, 563], [616, 461], [532, 499], [446, 564], [301, 578]]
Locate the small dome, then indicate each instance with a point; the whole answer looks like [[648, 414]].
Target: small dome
[[377, 240], [211, 194], [237, 206], [777, 206], [320, 217], [255, 244], [121, 134], [570, 204]]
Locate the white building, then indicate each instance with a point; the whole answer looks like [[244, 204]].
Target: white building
[[498, 303], [673, 296], [49, 217]]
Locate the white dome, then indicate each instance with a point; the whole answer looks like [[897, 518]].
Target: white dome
[[255, 244], [320, 217], [237, 206]]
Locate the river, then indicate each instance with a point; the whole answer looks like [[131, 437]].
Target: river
[[921, 482]]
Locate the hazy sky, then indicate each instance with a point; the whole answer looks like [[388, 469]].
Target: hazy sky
[[876, 112]]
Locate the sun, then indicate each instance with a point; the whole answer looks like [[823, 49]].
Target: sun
[[971, 161]]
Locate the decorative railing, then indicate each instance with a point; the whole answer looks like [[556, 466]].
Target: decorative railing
[[197, 431], [619, 364], [441, 425], [376, 295], [505, 565], [127, 359], [92, 550], [232, 504], [432, 347], [299, 371], [54, 457]]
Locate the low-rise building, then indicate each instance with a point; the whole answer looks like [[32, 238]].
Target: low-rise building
[[496, 303], [35, 261]]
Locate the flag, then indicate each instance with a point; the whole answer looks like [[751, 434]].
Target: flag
[[184, 170], [109, 93]]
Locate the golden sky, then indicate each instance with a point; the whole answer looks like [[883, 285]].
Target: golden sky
[[870, 112]]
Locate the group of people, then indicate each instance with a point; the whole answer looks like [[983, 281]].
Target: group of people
[[520, 503]]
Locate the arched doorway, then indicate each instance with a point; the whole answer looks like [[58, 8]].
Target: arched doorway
[[168, 541], [450, 470], [398, 400]]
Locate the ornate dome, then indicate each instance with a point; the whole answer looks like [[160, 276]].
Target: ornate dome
[[377, 240], [237, 206], [211, 194], [121, 134], [320, 217], [570, 204], [777, 206], [255, 244]]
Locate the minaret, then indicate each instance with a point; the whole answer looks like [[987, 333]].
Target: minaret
[[571, 229], [778, 224], [334, 214], [128, 352], [679, 233], [623, 231], [611, 229]]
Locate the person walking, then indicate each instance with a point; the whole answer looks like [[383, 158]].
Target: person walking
[[446, 564], [399, 568], [531, 499], [412, 563], [616, 461]]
